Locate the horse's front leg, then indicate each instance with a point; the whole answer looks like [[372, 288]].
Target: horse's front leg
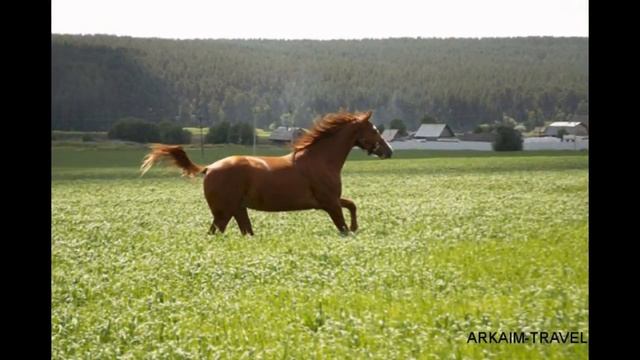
[[335, 211], [346, 203]]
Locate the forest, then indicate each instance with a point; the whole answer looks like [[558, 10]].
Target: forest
[[98, 79]]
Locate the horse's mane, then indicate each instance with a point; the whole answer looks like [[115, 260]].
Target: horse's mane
[[322, 128]]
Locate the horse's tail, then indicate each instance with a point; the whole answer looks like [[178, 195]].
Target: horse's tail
[[177, 156]]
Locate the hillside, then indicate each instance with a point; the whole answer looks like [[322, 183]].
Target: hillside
[[464, 82]]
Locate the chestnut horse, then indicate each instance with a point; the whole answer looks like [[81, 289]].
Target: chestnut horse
[[307, 178]]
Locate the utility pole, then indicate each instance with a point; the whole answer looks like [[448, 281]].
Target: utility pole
[[254, 135], [201, 137], [293, 131]]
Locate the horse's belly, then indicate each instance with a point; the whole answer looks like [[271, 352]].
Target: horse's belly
[[267, 196], [268, 202], [275, 207]]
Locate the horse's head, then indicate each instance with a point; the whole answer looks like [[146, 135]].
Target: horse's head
[[368, 137]]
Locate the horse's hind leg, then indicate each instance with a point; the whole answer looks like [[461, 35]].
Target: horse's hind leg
[[244, 223], [220, 221]]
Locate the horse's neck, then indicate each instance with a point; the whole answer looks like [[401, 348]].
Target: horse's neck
[[332, 151]]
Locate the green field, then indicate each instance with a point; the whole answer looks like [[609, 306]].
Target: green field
[[449, 243], [196, 130], [100, 138], [205, 131], [262, 135]]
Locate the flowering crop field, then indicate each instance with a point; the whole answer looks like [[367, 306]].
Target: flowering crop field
[[448, 245]]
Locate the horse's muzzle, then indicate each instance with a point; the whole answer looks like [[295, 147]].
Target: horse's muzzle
[[383, 150]]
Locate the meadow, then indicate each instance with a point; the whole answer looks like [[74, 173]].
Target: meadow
[[449, 243]]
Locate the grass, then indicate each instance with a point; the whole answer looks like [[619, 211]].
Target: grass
[[196, 130], [263, 133], [205, 131], [449, 243], [78, 136]]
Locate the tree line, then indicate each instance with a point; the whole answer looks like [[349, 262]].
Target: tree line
[[144, 131], [97, 80]]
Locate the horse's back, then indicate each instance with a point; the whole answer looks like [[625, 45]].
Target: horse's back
[[240, 163], [261, 183]]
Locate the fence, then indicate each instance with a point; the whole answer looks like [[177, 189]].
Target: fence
[[529, 144]]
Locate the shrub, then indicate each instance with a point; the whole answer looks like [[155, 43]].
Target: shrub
[[507, 139], [225, 133], [483, 128], [399, 124], [561, 133], [173, 134], [133, 129], [218, 134], [245, 133]]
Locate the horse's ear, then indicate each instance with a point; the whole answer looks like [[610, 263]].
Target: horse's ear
[[365, 115]]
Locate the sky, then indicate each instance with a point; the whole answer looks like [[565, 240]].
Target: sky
[[321, 19]]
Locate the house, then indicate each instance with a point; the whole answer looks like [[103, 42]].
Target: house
[[538, 131], [482, 137], [580, 118], [434, 132], [570, 127], [390, 134], [283, 135]]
